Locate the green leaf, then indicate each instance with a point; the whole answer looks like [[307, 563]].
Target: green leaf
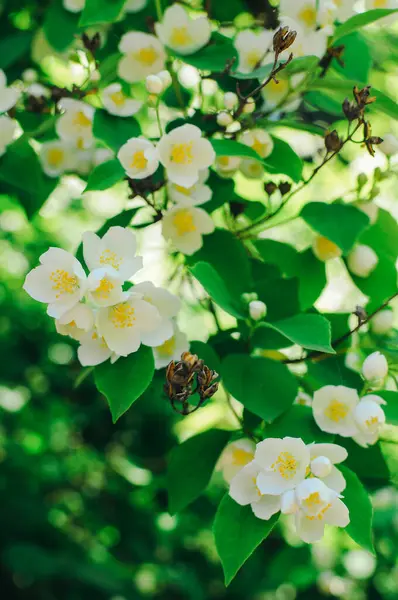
[[358, 21], [391, 408], [260, 73], [361, 513], [332, 371], [309, 331], [381, 283], [213, 57], [382, 236], [228, 257], [368, 463], [191, 465], [302, 63], [105, 175], [114, 131], [280, 295], [356, 57], [216, 288], [292, 123], [60, 26], [283, 160], [100, 11], [207, 354], [237, 533], [123, 382], [340, 223], [13, 47], [298, 419], [256, 382], [233, 148]]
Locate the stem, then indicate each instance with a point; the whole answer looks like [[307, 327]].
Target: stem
[[158, 117], [159, 11]]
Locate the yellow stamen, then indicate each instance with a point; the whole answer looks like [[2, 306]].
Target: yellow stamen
[[320, 515], [241, 457], [223, 161], [123, 316], [65, 283], [254, 479], [183, 222], [147, 56], [55, 156], [81, 120], [180, 36], [110, 258], [372, 421], [105, 287], [182, 154], [326, 249], [286, 464], [139, 161], [118, 98], [258, 147], [313, 500], [253, 58], [184, 190], [168, 347], [308, 16], [380, 3], [336, 411]]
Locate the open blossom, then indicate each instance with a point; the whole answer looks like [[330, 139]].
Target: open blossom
[[235, 456], [369, 417], [303, 399], [56, 157], [324, 457], [181, 33], [8, 128], [375, 368], [258, 140], [184, 153], [75, 125], [333, 409], [244, 490], [8, 95], [74, 5], [116, 249], [309, 14], [318, 506], [171, 349], [227, 165], [253, 49], [167, 305], [283, 464], [344, 9], [185, 225], [197, 194], [143, 55], [59, 281], [369, 208], [76, 322], [117, 103], [139, 158], [324, 249], [104, 287], [307, 42], [93, 350], [362, 260]]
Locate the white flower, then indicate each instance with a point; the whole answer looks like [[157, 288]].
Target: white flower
[[303, 399], [104, 287], [362, 260], [283, 464], [143, 55], [308, 43], [224, 119], [197, 194], [102, 155], [369, 417], [93, 350], [309, 14], [319, 506], [183, 152], [8, 95], [115, 249], [369, 208], [37, 90], [389, 144], [171, 349], [117, 103], [59, 281], [252, 49], [55, 157], [372, 4], [344, 9], [122, 325], [252, 169], [375, 367], [139, 158], [230, 100], [235, 456], [8, 128], [154, 84], [135, 6], [258, 140], [324, 249], [181, 33], [289, 504], [333, 409], [227, 165], [74, 5], [165, 78], [323, 459], [75, 125], [76, 322], [167, 306], [244, 491], [257, 310], [382, 322], [184, 226]]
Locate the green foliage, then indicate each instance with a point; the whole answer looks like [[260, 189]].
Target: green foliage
[[300, 420], [358, 21], [360, 508], [114, 131], [60, 26], [100, 11], [284, 160], [216, 288], [309, 331], [105, 176]]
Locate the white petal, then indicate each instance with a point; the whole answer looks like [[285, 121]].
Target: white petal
[[309, 530], [334, 452], [243, 486], [335, 480], [266, 506], [338, 514], [157, 337]]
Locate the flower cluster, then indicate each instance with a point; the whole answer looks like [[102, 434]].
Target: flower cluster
[[286, 475], [97, 310]]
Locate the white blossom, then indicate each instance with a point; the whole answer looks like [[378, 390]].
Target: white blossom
[[104, 286], [389, 145], [235, 456], [154, 84], [56, 157], [197, 194], [283, 463], [230, 100], [167, 305], [362, 260], [375, 368], [76, 322], [75, 125], [143, 55], [369, 208], [382, 322], [8, 128], [303, 399], [74, 5], [227, 165], [184, 153], [171, 349], [185, 225], [324, 457], [369, 417], [117, 103], [244, 491], [253, 49], [309, 14], [134, 6], [139, 158], [181, 33], [333, 409], [325, 249], [93, 350], [8, 95], [257, 310]]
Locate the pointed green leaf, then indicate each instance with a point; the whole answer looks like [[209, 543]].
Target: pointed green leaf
[[361, 512], [309, 331], [105, 175], [233, 148], [217, 289], [391, 408], [283, 160], [114, 131], [237, 533], [298, 419], [100, 11], [358, 21], [123, 382]]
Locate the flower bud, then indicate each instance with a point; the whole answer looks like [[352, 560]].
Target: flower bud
[[30, 76], [370, 209], [257, 310], [389, 145], [321, 466], [249, 297], [154, 84], [165, 78], [249, 106], [230, 100], [332, 141], [382, 322], [375, 367], [362, 260], [224, 119]]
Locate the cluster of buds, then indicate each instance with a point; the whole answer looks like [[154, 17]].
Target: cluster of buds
[[356, 111], [187, 377], [284, 187]]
